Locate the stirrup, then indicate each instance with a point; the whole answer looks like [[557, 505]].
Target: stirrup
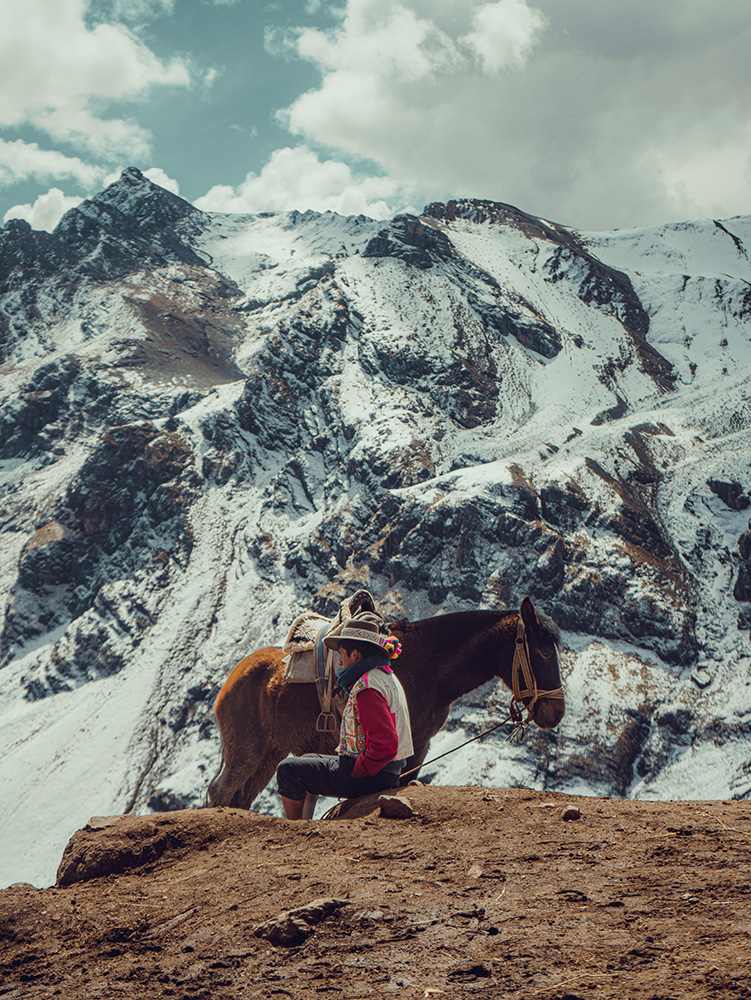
[[326, 723]]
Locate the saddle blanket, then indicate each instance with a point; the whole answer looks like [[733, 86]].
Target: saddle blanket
[[300, 644]]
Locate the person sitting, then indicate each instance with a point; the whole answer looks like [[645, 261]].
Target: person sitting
[[375, 738]]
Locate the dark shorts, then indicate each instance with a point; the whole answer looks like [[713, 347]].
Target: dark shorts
[[321, 774]]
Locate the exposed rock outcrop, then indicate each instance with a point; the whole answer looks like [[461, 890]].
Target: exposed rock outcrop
[[209, 423]]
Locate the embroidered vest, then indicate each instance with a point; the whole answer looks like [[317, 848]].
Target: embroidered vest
[[352, 733]]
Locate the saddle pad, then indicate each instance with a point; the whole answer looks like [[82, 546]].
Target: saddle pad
[[300, 667], [304, 632], [306, 659]]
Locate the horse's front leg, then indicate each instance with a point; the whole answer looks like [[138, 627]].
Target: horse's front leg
[[260, 777], [225, 789]]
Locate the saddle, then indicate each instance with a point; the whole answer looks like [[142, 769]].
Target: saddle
[[308, 661]]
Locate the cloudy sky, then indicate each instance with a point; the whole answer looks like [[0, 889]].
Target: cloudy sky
[[594, 113]]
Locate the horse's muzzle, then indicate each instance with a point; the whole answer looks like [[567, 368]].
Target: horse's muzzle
[[548, 712]]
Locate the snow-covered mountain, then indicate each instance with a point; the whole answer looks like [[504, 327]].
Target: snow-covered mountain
[[209, 423]]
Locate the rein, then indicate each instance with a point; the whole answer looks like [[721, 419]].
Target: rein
[[522, 665], [516, 734]]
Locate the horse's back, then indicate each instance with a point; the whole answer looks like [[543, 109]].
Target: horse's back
[[252, 676]]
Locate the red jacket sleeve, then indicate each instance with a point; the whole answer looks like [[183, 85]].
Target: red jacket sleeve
[[381, 740]]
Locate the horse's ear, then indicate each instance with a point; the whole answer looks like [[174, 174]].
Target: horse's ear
[[529, 615]]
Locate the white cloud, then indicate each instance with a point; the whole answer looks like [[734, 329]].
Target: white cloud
[[157, 176], [391, 76], [383, 39], [20, 160], [102, 136], [58, 73], [703, 179], [46, 211], [593, 114], [503, 34], [298, 179]]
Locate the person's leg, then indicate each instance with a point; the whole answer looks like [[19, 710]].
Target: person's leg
[[301, 780], [309, 806], [349, 787], [293, 808]]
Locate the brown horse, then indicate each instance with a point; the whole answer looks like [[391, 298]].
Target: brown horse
[[262, 718]]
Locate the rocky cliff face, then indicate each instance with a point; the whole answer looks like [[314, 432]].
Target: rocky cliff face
[[209, 423]]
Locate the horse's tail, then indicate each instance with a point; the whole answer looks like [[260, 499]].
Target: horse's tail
[[207, 794]]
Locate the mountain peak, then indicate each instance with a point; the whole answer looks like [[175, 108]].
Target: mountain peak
[[131, 221], [143, 201], [133, 173]]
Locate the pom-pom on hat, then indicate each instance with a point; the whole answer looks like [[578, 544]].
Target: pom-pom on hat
[[365, 628]]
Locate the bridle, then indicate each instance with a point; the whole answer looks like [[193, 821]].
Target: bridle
[[523, 666]]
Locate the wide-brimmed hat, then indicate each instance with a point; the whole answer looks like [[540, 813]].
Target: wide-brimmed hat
[[362, 628]]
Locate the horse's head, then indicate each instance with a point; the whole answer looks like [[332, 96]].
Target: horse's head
[[542, 637]]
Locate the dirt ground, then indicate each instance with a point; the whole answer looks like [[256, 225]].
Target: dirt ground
[[481, 892]]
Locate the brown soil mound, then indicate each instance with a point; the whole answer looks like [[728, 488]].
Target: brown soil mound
[[483, 892]]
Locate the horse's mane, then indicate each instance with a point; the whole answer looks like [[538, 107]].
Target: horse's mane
[[492, 615], [551, 627]]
